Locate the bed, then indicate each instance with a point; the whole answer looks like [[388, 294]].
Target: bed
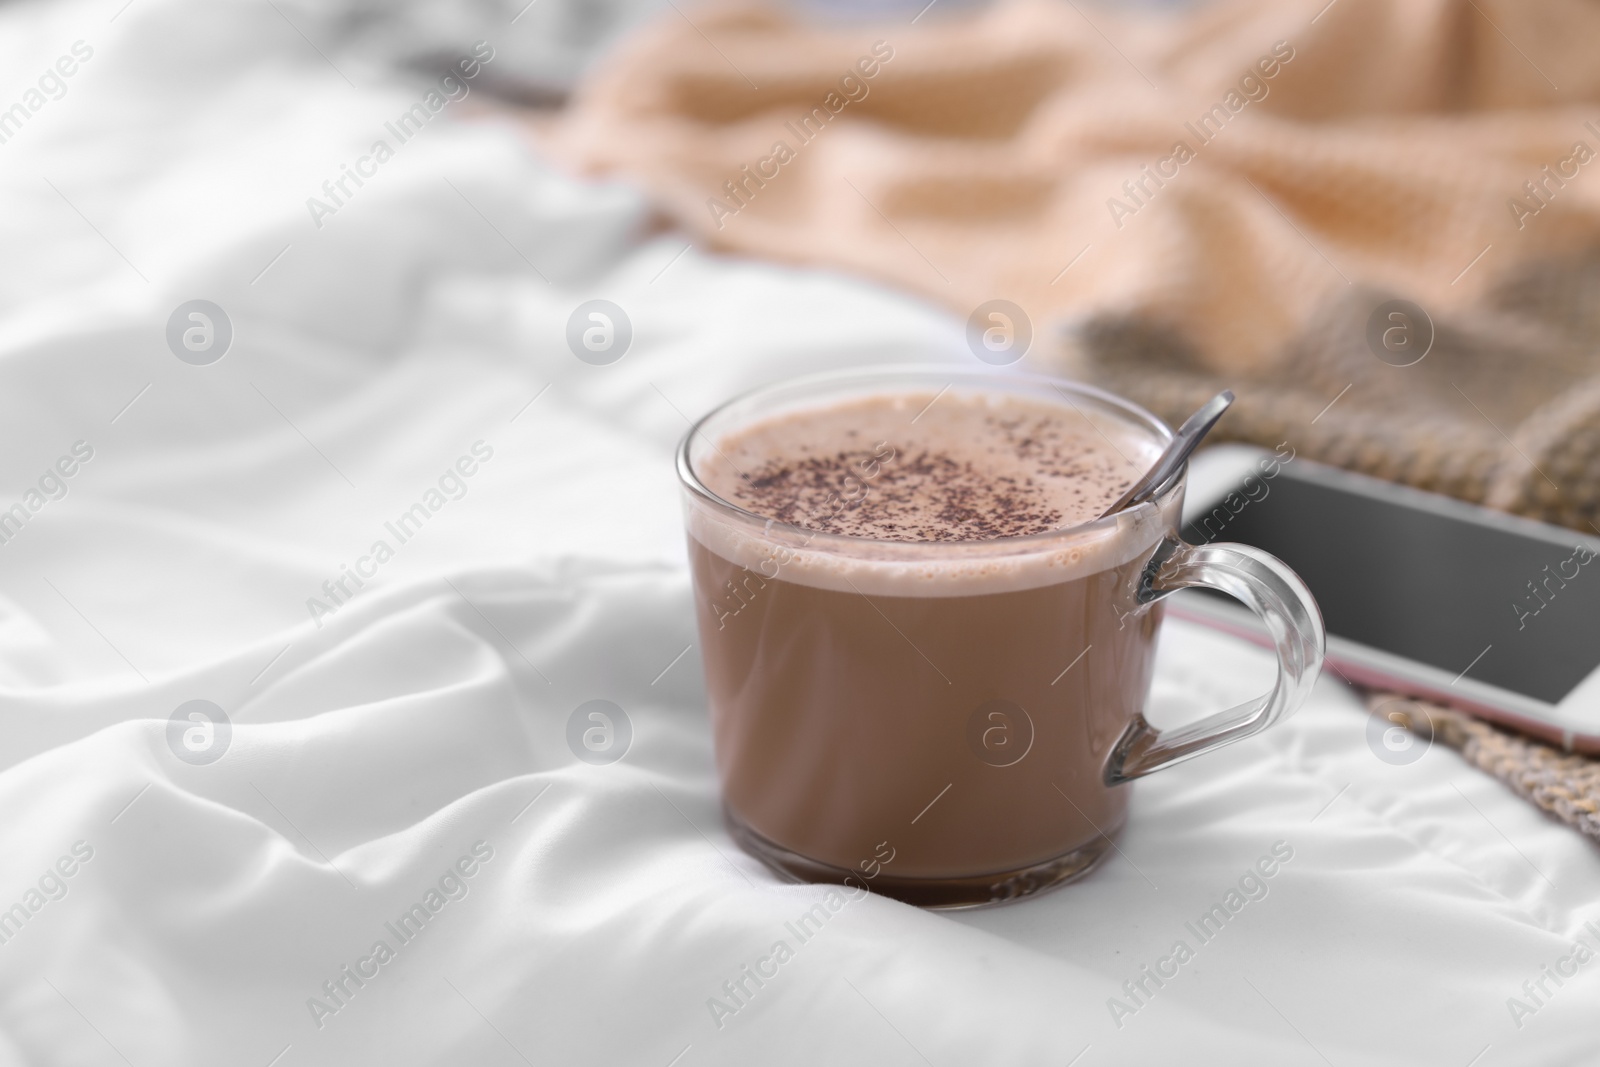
[[383, 735]]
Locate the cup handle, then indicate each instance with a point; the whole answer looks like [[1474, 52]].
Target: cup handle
[[1276, 594]]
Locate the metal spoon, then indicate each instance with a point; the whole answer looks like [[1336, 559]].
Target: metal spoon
[[1183, 443]]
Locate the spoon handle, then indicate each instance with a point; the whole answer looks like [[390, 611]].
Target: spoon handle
[[1182, 446]]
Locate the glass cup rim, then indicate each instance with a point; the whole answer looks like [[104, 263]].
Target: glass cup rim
[[818, 539]]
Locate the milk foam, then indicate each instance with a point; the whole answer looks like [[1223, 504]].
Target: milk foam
[[929, 466], [1064, 468]]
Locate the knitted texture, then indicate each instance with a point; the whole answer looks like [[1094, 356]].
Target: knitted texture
[[1503, 410], [1178, 203], [1565, 785]]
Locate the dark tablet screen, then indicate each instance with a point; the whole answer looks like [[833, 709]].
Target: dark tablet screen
[[1470, 598]]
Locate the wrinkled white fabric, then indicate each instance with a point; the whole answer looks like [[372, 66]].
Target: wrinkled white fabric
[[425, 718]]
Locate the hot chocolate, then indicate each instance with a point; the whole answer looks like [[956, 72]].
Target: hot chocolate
[[923, 652], [926, 650]]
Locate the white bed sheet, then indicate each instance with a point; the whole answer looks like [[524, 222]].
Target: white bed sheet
[[428, 713]]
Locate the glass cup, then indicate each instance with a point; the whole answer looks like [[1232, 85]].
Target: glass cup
[[953, 723]]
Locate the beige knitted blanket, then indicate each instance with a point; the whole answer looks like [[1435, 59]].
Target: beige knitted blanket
[[1560, 783], [1227, 196]]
